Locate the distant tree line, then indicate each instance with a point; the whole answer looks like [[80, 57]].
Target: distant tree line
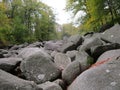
[[25, 21], [98, 13]]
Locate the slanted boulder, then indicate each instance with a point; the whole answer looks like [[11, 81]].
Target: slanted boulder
[[84, 59], [39, 68], [71, 72], [102, 76], [49, 86], [10, 82], [112, 35], [9, 64]]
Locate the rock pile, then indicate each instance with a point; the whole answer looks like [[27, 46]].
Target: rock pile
[[89, 62]]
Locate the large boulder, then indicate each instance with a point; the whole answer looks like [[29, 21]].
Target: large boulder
[[72, 43], [84, 59], [112, 34], [52, 45], [26, 52], [103, 76], [96, 51], [90, 42], [9, 64], [39, 68], [10, 82], [49, 86], [71, 72], [62, 60], [111, 54]]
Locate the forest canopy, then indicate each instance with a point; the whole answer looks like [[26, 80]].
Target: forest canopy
[[98, 13], [25, 21]]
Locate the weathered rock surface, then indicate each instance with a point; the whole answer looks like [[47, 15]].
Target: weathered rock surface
[[72, 43], [39, 68], [9, 64], [71, 72], [61, 83], [90, 42], [49, 86], [105, 76], [112, 54], [84, 59], [26, 52], [96, 51], [10, 82], [62, 60], [112, 34], [72, 54]]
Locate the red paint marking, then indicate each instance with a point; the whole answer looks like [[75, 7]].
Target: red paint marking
[[100, 62]]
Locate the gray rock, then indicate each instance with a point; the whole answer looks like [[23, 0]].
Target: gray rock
[[50, 45], [76, 39], [39, 68], [26, 52], [71, 72], [67, 47], [36, 44], [96, 51], [105, 76], [72, 54], [9, 64], [54, 53], [61, 83], [84, 59], [112, 34], [10, 82], [90, 42], [72, 43], [49, 86], [62, 60], [111, 54]]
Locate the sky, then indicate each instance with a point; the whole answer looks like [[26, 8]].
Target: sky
[[58, 6]]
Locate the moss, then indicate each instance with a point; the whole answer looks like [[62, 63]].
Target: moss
[[90, 60]]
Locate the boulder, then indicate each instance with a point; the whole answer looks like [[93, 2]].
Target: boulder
[[72, 54], [9, 64], [51, 45], [112, 35], [84, 59], [90, 42], [76, 39], [103, 76], [49, 86], [36, 44], [96, 51], [62, 60], [61, 83], [10, 82], [71, 72], [111, 54], [72, 43], [39, 68], [26, 52]]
